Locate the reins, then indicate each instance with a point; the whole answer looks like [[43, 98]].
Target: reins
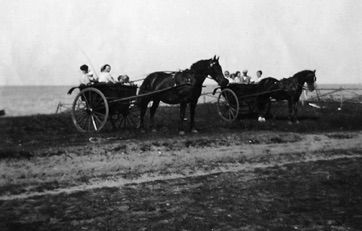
[[167, 72], [150, 93]]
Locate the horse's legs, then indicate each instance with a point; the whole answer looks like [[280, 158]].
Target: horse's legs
[[261, 102], [291, 111], [268, 114], [192, 116], [295, 110], [143, 109], [152, 114], [182, 116], [113, 123]]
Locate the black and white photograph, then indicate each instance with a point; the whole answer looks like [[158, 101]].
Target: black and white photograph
[[181, 115]]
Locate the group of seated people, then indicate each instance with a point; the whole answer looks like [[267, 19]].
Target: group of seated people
[[89, 78], [242, 79]]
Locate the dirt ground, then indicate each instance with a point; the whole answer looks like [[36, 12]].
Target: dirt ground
[[244, 176]]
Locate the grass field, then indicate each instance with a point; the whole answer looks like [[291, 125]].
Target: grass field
[[241, 176]]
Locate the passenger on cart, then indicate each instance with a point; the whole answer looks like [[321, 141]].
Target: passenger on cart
[[105, 75], [258, 76], [227, 75], [87, 77], [237, 78], [232, 78], [124, 80], [245, 79]]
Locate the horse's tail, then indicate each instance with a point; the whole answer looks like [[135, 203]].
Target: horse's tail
[[149, 82], [147, 86]]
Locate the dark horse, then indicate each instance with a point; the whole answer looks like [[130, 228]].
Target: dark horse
[[286, 89], [182, 88]]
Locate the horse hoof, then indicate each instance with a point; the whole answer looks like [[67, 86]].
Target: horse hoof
[[194, 131], [297, 122], [290, 123], [181, 133], [154, 130], [261, 119]]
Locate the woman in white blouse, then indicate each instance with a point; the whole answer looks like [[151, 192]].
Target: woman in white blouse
[[105, 76]]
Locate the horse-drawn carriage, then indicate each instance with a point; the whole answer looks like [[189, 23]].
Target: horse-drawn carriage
[[96, 104], [235, 100]]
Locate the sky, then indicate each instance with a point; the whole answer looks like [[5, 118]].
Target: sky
[[44, 42]]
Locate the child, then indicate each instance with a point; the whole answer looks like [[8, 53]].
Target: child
[[87, 76]]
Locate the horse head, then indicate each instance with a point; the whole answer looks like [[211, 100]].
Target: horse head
[[310, 79], [306, 76], [211, 67], [216, 73]]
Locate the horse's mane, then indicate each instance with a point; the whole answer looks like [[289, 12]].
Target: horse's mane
[[189, 71], [296, 75], [199, 64]]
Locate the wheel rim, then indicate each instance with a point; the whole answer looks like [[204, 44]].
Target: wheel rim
[[228, 106], [90, 110]]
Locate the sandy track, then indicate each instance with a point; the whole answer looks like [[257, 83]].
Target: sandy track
[[114, 165]]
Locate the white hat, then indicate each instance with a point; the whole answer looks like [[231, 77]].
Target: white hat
[[245, 71]]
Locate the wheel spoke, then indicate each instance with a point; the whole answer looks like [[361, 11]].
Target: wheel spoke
[[232, 110], [94, 123], [132, 120], [85, 99], [87, 124], [228, 115], [126, 122], [99, 108], [98, 113], [121, 122], [83, 116], [97, 101], [98, 120], [81, 105]]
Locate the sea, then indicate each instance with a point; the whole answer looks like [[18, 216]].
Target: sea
[[33, 100]]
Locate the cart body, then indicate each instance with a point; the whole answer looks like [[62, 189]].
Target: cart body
[[95, 104], [236, 100]]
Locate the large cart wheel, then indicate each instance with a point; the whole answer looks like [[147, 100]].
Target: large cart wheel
[[228, 105], [128, 118], [90, 110]]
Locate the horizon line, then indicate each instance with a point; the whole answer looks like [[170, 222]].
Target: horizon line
[[67, 85]]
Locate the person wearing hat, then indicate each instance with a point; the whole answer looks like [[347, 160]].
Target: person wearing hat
[[245, 79], [105, 76], [87, 75]]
